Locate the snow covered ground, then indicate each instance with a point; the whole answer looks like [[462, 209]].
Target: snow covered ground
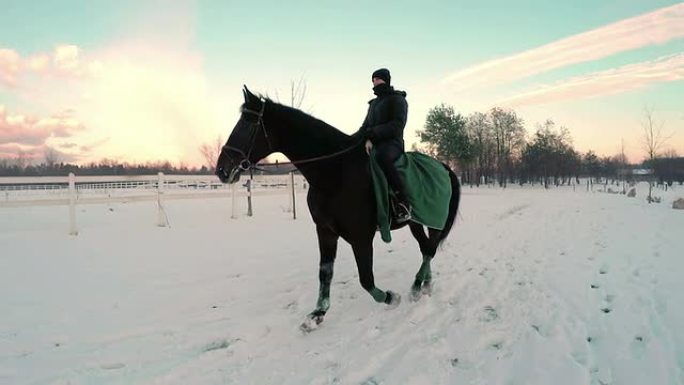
[[532, 287]]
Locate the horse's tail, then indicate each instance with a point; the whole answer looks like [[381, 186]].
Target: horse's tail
[[453, 204]]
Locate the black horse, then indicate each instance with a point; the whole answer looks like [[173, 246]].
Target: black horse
[[340, 196]]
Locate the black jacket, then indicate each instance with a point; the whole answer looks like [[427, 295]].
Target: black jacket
[[386, 117]]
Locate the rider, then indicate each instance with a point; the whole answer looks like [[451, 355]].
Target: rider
[[383, 128]]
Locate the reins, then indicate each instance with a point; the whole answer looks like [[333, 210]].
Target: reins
[[245, 164]]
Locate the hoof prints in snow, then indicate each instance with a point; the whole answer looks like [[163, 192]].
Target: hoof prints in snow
[[292, 306], [489, 315], [217, 345], [513, 211], [112, 366]]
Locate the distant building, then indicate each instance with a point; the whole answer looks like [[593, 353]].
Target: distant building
[[642, 171]]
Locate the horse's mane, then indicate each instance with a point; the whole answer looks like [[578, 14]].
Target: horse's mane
[[312, 125]]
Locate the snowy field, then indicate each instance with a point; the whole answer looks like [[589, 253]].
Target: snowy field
[[532, 287]]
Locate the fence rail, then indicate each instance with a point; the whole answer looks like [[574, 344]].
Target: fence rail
[[25, 191], [72, 190]]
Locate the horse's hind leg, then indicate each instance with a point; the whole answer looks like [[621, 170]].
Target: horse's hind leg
[[428, 247]]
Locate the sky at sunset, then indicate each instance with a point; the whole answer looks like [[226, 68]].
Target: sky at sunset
[[138, 81]]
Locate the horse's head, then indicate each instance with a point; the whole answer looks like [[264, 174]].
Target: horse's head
[[248, 142]]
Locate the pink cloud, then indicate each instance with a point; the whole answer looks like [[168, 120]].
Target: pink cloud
[[146, 93], [86, 148], [9, 66], [657, 27], [65, 60], [35, 155], [38, 63], [9, 150], [27, 154], [145, 98], [26, 130], [613, 81]]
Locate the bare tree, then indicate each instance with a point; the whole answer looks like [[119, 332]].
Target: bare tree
[[51, 156], [670, 154], [296, 99], [480, 131], [509, 138], [22, 159], [622, 158], [653, 140], [297, 93], [210, 152]]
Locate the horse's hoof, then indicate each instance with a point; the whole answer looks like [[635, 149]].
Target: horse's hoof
[[311, 323], [394, 300], [427, 288], [416, 293]]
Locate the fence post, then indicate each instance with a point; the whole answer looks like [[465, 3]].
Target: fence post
[[294, 205], [161, 217], [232, 200], [72, 204], [249, 197], [289, 196]]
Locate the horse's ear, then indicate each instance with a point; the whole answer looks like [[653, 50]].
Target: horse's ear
[[248, 94]]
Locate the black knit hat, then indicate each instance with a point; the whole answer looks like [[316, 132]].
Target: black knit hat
[[382, 73]]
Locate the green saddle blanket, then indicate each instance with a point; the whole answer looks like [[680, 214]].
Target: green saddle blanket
[[428, 186]]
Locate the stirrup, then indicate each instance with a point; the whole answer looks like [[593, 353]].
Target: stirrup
[[403, 213]]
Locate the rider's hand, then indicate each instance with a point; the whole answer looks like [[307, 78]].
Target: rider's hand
[[369, 146]]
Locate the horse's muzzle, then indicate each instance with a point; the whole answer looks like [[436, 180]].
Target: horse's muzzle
[[228, 177]]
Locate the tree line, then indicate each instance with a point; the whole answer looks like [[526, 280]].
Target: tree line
[[494, 147], [11, 167]]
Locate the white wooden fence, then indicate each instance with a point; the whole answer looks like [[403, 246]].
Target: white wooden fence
[[75, 190]]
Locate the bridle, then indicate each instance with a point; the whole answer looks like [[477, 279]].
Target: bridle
[[245, 164]]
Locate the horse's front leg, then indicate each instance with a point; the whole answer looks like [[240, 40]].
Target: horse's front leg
[[363, 253], [327, 245]]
